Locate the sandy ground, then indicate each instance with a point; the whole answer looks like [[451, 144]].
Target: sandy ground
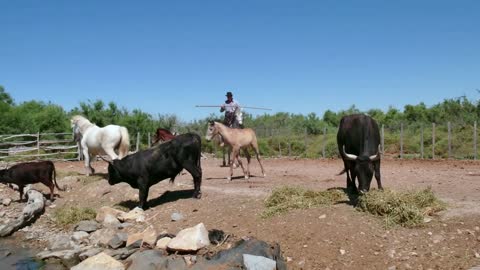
[[334, 237]]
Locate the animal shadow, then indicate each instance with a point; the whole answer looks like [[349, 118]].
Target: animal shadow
[[352, 196], [166, 197]]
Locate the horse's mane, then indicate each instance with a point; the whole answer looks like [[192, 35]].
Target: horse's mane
[[82, 122]]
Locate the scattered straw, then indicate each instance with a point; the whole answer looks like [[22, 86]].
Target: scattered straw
[[70, 215]]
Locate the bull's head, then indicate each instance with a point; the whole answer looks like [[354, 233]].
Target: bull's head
[[113, 176], [364, 168], [211, 131]]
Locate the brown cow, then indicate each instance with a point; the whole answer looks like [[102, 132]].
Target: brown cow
[[30, 173]]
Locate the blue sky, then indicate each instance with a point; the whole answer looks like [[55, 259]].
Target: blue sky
[[165, 57]]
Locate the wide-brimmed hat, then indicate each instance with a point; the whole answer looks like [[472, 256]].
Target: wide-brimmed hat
[[229, 94]]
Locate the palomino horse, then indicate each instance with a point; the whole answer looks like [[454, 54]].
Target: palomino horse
[[96, 140], [162, 135], [237, 139]]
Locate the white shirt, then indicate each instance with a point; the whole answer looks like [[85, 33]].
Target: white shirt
[[234, 107]]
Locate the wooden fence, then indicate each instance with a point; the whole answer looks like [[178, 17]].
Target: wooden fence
[[53, 146]]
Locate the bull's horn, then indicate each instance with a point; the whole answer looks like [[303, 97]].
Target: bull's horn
[[104, 159], [377, 155], [349, 156]]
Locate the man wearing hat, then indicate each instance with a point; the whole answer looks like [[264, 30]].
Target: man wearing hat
[[233, 112]]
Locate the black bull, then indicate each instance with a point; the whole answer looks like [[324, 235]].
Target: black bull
[[148, 167], [358, 141]]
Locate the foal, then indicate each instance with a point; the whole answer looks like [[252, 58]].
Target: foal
[[237, 139]]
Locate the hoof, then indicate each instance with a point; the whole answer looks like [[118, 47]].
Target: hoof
[[197, 195]]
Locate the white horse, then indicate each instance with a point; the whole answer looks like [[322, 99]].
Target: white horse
[[95, 140]]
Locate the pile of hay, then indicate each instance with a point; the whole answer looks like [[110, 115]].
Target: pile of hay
[[70, 215], [407, 209], [284, 199]]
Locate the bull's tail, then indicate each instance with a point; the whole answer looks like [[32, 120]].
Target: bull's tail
[[342, 172], [124, 146], [55, 180]]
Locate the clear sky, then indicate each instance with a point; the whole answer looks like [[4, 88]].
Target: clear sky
[[165, 57]]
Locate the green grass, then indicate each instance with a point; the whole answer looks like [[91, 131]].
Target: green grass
[[406, 209], [70, 215], [284, 199]]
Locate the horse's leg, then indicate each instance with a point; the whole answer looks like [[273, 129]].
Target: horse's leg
[[110, 152], [237, 157], [247, 154], [234, 152], [87, 158], [223, 155], [257, 154]]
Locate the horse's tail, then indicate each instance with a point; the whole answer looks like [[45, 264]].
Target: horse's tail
[[124, 146]]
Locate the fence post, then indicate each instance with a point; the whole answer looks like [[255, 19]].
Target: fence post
[[279, 143], [433, 140], [324, 141], [475, 140], [449, 140], [138, 142], [383, 140], [421, 142], [401, 140], [149, 140], [38, 145]]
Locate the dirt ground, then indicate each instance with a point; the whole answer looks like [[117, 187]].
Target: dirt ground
[[334, 237]]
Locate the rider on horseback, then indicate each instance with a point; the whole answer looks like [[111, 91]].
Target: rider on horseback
[[233, 112]]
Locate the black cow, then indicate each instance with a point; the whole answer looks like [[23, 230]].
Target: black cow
[[148, 167], [358, 141], [30, 173]]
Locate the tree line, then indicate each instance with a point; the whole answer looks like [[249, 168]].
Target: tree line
[[37, 116]]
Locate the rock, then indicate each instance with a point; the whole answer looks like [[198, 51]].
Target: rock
[[150, 236], [2, 214], [176, 216], [121, 254], [111, 221], [190, 239], [427, 220], [69, 254], [151, 260], [342, 252], [216, 236], [322, 216], [99, 261], [105, 210], [392, 268], [87, 226], [61, 242], [135, 240], [89, 253], [162, 243], [252, 262], [124, 225], [119, 240], [102, 237], [6, 201], [190, 260], [136, 215], [79, 236]]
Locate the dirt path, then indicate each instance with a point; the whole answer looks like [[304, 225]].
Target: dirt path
[[336, 237]]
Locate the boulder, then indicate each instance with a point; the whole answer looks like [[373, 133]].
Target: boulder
[[252, 262], [102, 237], [163, 243], [87, 226], [105, 210], [111, 221], [99, 261], [152, 260], [150, 236], [6, 201], [190, 239], [119, 240], [136, 215], [79, 236], [135, 240]]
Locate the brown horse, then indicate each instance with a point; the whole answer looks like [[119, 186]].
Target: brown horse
[[237, 139], [162, 135]]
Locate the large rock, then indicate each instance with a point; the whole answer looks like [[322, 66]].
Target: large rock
[[121, 254], [190, 239], [150, 236], [252, 262], [61, 242], [105, 210], [6, 201], [136, 215], [135, 240], [119, 240], [99, 261], [80, 236], [87, 226], [163, 243], [111, 221], [154, 259], [89, 253], [102, 237]]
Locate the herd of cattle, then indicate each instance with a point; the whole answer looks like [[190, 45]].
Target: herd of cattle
[[358, 141]]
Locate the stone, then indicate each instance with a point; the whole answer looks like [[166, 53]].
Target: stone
[[150, 236], [119, 240], [437, 238], [111, 221], [121, 254], [150, 260], [176, 216], [136, 215], [79, 236], [105, 210], [89, 253], [163, 243], [2, 214], [102, 237], [190, 239], [87, 226], [99, 261], [6, 201], [135, 240], [61, 242], [252, 262]]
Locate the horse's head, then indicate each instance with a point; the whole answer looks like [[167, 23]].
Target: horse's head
[[212, 130]]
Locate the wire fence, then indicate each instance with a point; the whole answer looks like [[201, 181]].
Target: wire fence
[[402, 141]]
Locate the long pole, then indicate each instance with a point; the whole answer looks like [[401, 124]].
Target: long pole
[[421, 142], [383, 140], [449, 140], [475, 140], [401, 140], [243, 107], [433, 140]]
